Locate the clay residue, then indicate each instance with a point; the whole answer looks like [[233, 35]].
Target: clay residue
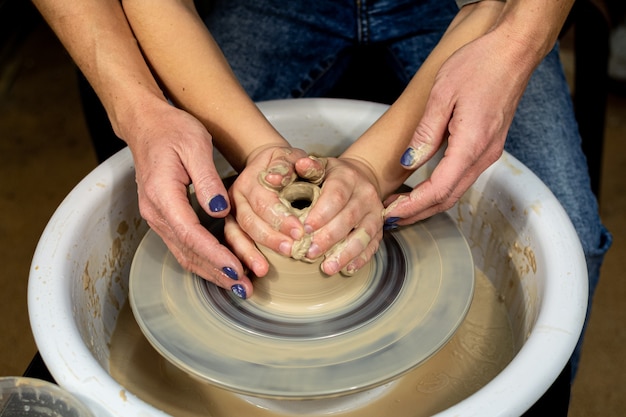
[[300, 248], [503, 253], [417, 155], [313, 175], [307, 193], [122, 228], [279, 211], [102, 292], [480, 349], [526, 254], [507, 162], [281, 171], [394, 204], [359, 235]]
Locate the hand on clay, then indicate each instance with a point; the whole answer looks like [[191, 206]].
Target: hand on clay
[[473, 102], [171, 150], [346, 221], [259, 213], [344, 225]]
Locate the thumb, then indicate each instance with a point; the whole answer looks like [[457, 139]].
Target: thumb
[[312, 168], [427, 137], [210, 192]]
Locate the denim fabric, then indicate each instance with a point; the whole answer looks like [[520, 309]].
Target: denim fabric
[[302, 48], [544, 136]]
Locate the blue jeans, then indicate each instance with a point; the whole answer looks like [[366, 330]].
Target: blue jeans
[[297, 48]]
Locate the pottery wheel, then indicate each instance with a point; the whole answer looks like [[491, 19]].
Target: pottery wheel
[[356, 333]]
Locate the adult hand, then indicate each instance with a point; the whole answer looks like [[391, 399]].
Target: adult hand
[[472, 102], [171, 150]]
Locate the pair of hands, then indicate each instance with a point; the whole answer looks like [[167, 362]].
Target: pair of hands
[[177, 150], [344, 225]]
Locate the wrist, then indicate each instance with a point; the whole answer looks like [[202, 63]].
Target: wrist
[[531, 28], [366, 169], [130, 112], [276, 143]]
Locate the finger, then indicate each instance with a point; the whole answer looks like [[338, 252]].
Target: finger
[[245, 248], [207, 183], [342, 218], [280, 170], [439, 193], [357, 263], [311, 168], [171, 216], [351, 248], [259, 230], [264, 201], [340, 197], [258, 204], [429, 133], [344, 226], [204, 256]]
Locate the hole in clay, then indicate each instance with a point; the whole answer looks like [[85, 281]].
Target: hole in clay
[[300, 203]]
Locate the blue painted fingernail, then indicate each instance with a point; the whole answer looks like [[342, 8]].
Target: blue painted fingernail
[[218, 203], [408, 157], [391, 220], [230, 272], [239, 291], [390, 226]]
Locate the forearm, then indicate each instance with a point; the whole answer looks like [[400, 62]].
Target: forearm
[[521, 34], [381, 147], [193, 70], [532, 27], [100, 41]]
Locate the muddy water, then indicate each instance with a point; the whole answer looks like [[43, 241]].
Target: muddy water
[[480, 349]]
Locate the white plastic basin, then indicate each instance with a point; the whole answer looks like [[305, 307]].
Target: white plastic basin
[[519, 235]]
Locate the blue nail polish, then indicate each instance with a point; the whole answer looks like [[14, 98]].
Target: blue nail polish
[[391, 220], [218, 203], [230, 272], [390, 226], [408, 157], [239, 291]]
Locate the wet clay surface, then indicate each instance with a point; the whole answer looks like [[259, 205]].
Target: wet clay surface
[[294, 343], [480, 349]]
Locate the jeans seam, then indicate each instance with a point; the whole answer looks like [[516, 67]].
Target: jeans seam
[[310, 81], [362, 18]]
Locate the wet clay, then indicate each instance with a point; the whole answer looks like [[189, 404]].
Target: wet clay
[[479, 350], [306, 194], [301, 290]]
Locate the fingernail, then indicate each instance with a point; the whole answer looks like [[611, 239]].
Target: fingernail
[[408, 157], [230, 273], [239, 291], [285, 248], [313, 252], [218, 203], [296, 234], [330, 267], [390, 226], [349, 270], [308, 229], [391, 223]]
